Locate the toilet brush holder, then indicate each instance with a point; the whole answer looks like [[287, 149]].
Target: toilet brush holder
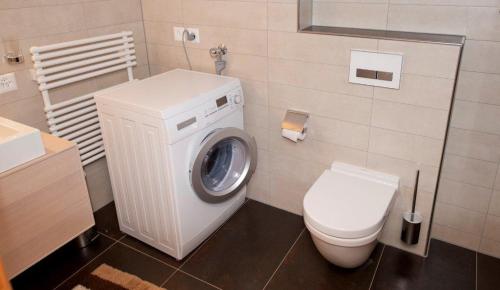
[[412, 220], [411, 228]]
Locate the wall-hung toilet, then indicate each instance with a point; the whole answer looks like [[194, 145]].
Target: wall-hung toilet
[[345, 211]]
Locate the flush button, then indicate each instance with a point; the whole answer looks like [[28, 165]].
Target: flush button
[[366, 73], [384, 76]]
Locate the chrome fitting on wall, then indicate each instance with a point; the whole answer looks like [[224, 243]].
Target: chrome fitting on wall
[[217, 53]]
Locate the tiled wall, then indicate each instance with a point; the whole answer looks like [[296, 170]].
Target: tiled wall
[[38, 22], [468, 211], [388, 130]]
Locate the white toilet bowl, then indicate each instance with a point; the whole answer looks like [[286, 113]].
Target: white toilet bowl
[[345, 211]]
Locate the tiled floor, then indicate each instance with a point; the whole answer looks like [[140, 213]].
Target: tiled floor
[[260, 247]]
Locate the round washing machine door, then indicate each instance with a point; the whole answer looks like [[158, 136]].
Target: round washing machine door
[[225, 161]]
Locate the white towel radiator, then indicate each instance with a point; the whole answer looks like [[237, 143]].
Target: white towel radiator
[[64, 63]]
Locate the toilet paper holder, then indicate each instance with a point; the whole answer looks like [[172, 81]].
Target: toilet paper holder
[[295, 121]]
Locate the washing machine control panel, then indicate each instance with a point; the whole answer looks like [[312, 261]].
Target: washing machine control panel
[[223, 105], [205, 114]]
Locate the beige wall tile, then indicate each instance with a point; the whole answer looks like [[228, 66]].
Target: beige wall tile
[[28, 111], [459, 218], [111, 12], [483, 23], [43, 20], [240, 41], [456, 237], [476, 116], [255, 92], [424, 18], [360, 15], [481, 56], [27, 88], [492, 228], [326, 49], [478, 87], [315, 151], [336, 106], [225, 13], [162, 10], [494, 208], [256, 115], [305, 13], [119, 77], [98, 184], [289, 182], [260, 134], [316, 76], [136, 28], [464, 195], [339, 132], [490, 247], [406, 170], [471, 171], [421, 91], [410, 119], [282, 16], [497, 180], [160, 32], [474, 144], [425, 59], [243, 66], [406, 146], [169, 57], [258, 187]]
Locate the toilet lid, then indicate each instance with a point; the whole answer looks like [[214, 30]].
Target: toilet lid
[[347, 205]]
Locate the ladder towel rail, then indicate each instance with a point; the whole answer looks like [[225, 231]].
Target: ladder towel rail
[[64, 63]]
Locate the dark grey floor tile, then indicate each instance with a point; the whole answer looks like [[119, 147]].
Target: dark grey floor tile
[[128, 260], [145, 248], [106, 221], [181, 281], [488, 272], [305, 268], [447, 267], [58, 266], [244, 253]]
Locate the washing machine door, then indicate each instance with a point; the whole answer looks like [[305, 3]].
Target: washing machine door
[[225, 161]]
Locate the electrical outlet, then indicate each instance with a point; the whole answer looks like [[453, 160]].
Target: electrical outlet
[[178, 31], [8, 83]]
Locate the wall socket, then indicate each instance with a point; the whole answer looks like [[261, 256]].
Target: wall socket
[[8, 83], [179, 30]]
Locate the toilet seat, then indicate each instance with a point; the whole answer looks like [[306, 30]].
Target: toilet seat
[[340, 241], [349, 203]]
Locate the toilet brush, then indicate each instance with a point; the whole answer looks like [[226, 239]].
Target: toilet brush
[[412, 220]]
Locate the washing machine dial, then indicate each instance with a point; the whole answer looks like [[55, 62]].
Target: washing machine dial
[[237, 99]]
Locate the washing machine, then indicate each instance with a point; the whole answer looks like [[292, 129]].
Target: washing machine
[[178, 156]]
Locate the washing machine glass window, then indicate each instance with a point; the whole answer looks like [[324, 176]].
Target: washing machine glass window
[[224, 164]]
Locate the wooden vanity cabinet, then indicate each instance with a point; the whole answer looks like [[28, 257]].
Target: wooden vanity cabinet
[[44, 204]]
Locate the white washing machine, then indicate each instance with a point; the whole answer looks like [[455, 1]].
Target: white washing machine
[[178, 157]]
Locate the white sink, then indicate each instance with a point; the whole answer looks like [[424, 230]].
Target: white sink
[[18, 144]]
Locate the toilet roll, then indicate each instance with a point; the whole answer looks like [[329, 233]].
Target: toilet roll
[[293, 135]]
